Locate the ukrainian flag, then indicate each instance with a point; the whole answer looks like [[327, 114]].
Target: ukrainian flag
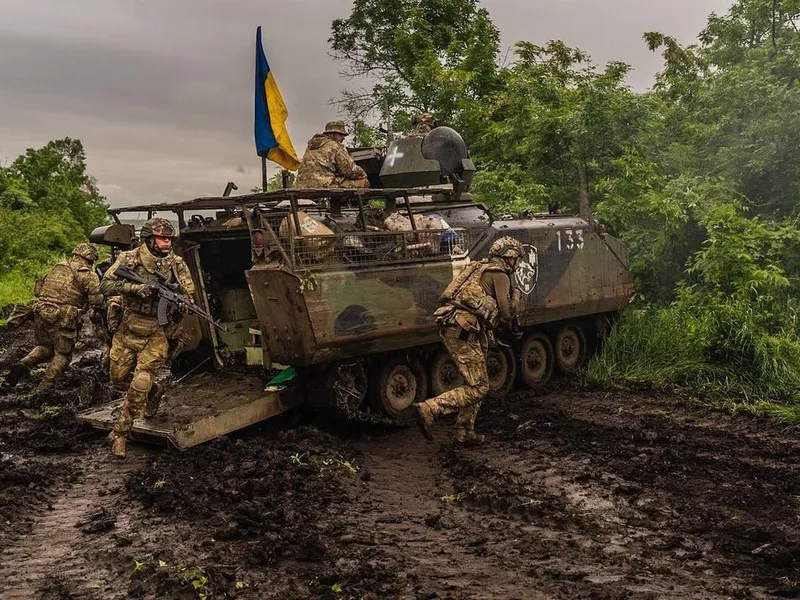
[[272, 138]]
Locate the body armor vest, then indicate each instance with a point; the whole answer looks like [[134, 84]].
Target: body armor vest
[[466, 293], [148, 307], [60, 286]]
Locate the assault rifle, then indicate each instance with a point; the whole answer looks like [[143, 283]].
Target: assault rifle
[[168, 294]]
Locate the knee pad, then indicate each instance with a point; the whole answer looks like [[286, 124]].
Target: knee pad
[[142, 382]]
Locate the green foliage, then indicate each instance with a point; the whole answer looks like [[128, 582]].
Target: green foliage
[[700, 177], [437, 55], [48, 204], [557, 119]]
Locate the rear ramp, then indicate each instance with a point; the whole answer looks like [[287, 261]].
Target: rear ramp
[[203, 407]]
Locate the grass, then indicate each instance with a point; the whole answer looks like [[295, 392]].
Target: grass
[[16, 287], [723, 355]]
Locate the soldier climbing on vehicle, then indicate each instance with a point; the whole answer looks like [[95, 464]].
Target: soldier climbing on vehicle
[[140, 341], [476, 302], [65, 293], [326, 163]]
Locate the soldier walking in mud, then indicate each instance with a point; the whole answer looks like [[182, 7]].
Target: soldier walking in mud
[[471, 307], [326, 163], [62, 298], [140, 341]]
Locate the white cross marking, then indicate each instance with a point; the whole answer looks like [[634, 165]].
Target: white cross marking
[[393, 156]]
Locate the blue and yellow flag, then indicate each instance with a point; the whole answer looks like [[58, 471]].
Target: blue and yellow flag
[[272, 138]]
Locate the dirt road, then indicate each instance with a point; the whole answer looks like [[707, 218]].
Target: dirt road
[[578, 494]]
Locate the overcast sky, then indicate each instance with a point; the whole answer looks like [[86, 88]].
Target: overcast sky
[[161, 91]]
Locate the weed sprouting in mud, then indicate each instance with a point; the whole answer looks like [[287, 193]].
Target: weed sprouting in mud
[[265, 504]]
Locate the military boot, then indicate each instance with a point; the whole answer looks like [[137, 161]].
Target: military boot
[[424, 417], [18, 371], [153, 401], [44, 388], [469, 437], [118, 446]]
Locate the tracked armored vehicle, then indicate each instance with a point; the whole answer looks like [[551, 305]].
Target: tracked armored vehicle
[[341, 285]]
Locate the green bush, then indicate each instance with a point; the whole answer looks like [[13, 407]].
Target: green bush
[[48, 204]]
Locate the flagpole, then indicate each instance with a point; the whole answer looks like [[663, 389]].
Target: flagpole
[[263, 173]]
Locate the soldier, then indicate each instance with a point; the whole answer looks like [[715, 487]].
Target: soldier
[[471, 307], [423, 124], [326, 163], [140, 340], [62, 298]]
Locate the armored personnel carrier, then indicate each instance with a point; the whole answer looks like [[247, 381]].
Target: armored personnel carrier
[[341, 285]]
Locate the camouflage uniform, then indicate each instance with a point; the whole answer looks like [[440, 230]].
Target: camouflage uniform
[[62, 298], [472, 306], [423, 125], [326, 163], [140, 341]]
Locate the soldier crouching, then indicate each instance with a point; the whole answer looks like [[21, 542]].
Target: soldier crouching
[[62, 298], [472, 306], [140, 341]]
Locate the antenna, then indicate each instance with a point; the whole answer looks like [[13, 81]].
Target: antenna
[[389, 132]]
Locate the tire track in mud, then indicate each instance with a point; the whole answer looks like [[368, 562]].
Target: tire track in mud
[[411, 516], [56, 557]]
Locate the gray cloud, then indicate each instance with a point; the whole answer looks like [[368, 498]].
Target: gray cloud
[[161, 92]]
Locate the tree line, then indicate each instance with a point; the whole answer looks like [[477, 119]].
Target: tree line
[[48, 204], [699, 176]]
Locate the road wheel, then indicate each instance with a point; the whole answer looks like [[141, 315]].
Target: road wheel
[[339, 390], [501, 365], [570, 349], [536, 361], [444, 373], [396, 384]]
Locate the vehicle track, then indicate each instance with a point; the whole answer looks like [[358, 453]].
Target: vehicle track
[[56, 556], [410, 497]]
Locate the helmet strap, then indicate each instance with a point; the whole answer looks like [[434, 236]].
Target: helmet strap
[[150, 242]]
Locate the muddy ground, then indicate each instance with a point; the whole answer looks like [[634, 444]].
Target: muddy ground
[[601, 494]]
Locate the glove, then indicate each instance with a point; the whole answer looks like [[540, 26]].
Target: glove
[[140, 289], [183, 305]]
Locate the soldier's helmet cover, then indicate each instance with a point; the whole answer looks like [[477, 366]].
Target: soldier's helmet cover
[[423, 119], [336, 127], [86, 251], [506, 247], [158, 226]]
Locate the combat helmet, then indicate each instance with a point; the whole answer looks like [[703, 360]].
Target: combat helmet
[[336, 127], [86, 251], [424, 118], [506, 247], [157, 226]]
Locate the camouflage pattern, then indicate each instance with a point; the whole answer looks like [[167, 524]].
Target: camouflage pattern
[[468, 314], [336, 127], [423, 125], [145, 264], [63, 295], [470, 358], [467, 302], [86, 251], [506, 247], [326, 164], [157, 226], [140, 344]]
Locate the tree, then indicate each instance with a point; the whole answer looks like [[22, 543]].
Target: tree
[[54, 179], [559, 121], [48, 204], [426, 55]]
